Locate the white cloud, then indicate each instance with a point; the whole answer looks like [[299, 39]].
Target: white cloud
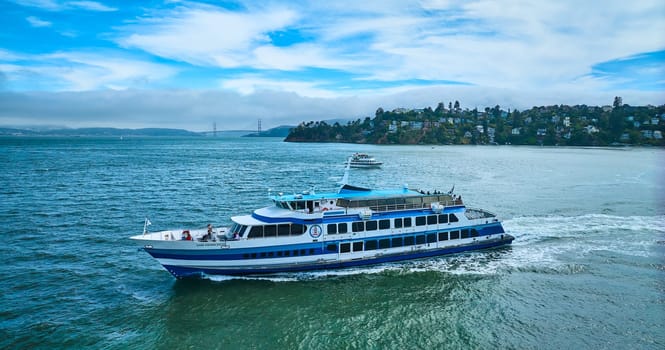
[[202, 36], [250, 84], [298, 57], [54, 5], [78, 71], [90, 6], [36, 22]]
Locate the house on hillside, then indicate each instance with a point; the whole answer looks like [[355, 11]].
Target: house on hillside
[[590, 129]]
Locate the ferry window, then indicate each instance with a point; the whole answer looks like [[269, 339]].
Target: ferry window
[[443, 236], [242, 231], [300, 205], [283, 230], [345, 247], [454, 234], [453, 218], [409, 240], [398, 223], [303, 252], [358, 246], [431, 238], [465, 233], [407, 222], [297, 229], [443, 218], [295, 253], [358, 226], [420, 239], [431, 220], [235, 228], [263, 254], [271, 254], [245, 256], [256, 232], [331, 248], [332, 229], [397, 242], [311, 251], [287, 253], [384, 224], [370, 245], [253, 255], [370, 225], [474, 232], [420, 220], [279, 253], [342, 228], [384, 243], [270, 230]]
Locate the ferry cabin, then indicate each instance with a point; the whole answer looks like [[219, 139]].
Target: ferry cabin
[[355, 226]]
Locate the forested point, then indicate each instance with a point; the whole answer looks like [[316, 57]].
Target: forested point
[[558, 125]]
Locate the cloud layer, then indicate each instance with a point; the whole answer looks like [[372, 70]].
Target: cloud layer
[[342, 59]]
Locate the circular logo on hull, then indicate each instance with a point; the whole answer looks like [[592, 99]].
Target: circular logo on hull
[[315, 231]]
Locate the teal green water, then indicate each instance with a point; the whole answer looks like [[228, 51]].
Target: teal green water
[[587, 268]]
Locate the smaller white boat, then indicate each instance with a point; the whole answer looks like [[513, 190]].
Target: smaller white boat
[[364, 160]]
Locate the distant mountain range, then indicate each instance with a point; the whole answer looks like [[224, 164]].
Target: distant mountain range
[[98, 132], [280, 131]]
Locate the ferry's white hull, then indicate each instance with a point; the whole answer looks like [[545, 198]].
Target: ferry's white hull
[[193, 258]]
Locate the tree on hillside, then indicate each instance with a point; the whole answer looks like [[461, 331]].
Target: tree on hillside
[[440, 108], [618, 102]]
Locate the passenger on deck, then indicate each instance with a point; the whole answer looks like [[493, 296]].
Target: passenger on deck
[[209, 234]]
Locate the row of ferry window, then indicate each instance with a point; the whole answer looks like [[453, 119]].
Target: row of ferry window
[[280, 230], [279, 254], [371, 244], [396, 242], [384, 224]]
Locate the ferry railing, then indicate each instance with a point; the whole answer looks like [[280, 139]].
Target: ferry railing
[[395, 207]]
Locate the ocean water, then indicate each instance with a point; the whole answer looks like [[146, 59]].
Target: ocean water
[[586, 271]]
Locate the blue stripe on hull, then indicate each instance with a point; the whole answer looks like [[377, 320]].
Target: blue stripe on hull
[[182, 272]]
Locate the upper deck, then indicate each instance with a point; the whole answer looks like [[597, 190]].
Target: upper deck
[[357, 197]]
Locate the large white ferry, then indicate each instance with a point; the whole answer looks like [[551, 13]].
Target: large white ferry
[[312, 231]]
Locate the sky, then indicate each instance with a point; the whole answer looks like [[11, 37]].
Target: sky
[[189, 64]]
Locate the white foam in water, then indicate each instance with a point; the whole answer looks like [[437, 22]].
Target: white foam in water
[[543, 241]]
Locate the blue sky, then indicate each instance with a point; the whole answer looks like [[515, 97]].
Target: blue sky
[[188, 64]]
